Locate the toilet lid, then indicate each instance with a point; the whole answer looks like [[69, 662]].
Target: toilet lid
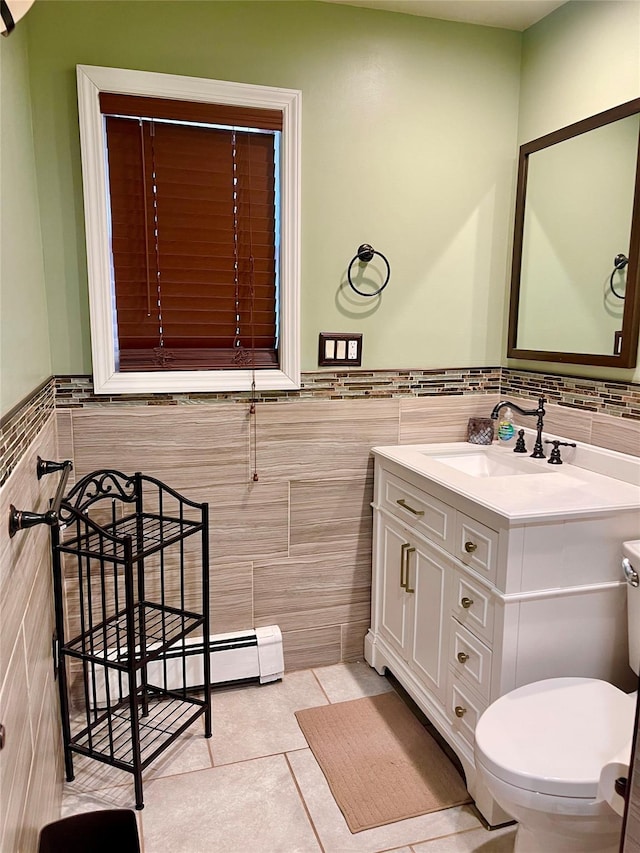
[[554, 736]]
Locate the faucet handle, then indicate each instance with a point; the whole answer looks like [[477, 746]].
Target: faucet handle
[[554, 456], [520, 445]]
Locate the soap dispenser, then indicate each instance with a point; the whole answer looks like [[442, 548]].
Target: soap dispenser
[[506, 429]]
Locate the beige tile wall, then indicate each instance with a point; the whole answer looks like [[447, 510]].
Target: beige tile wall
[[621, 434], [31, 761], [293, 548]]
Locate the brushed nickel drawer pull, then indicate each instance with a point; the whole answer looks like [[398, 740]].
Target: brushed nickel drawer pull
[[460, 711], [470, 547], [405, 505], [466, 602], [463, 657]]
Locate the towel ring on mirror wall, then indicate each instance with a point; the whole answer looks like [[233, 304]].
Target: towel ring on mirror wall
[[365, 254], [619, 263]]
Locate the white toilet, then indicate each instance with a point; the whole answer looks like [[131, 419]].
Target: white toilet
[[549, 752]]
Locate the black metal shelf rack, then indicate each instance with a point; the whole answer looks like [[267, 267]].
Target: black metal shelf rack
[[131, 592]]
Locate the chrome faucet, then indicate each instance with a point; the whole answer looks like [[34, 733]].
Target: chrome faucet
[[538, 452]]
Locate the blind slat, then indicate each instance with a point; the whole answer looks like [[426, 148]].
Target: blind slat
[[201, 243], [230, 114]]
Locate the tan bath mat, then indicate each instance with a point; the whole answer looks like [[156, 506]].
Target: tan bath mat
[[380, 762]]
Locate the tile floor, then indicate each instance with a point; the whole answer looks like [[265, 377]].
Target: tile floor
[[255, 787]]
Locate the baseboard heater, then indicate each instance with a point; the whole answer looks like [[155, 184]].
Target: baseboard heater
[[238, 656]]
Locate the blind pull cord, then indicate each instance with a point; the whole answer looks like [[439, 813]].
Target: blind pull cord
[[162, 357], [252, 296], [146, 215], [253, 412]]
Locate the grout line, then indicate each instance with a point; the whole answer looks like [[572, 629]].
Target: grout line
[[245, 760], [209, 741], [324, 692], [141, 829], [304, 803]]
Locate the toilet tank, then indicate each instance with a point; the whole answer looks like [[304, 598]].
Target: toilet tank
[[631, 567]]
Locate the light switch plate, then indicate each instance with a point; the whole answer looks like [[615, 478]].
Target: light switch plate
[[339, 349]]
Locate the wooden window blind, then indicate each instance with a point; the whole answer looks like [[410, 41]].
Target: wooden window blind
[[193, 233]]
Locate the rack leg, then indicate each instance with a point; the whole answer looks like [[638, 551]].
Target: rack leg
[[138, 789], [207, 720]]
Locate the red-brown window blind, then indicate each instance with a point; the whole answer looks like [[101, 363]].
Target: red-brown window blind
[[193, 234]]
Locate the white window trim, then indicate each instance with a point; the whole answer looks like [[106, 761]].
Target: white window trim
[[91, 81]]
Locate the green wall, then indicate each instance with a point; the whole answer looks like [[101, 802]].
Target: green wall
[[409, 140], [578, 61], [410, 134], [24, 336]]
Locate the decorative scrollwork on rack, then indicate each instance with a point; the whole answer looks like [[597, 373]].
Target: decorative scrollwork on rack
[[95, 487]]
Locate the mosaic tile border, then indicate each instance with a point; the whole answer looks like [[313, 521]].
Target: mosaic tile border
[[606, 397], [621, 399], [74, 392], [19, 427]]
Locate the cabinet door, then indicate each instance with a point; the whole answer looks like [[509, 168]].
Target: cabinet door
[[394, 624], [428, 574]]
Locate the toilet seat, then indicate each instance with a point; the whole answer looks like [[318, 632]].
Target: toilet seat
[[554, 736]]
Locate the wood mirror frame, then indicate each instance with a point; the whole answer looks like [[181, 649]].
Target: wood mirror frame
[[627, 354]]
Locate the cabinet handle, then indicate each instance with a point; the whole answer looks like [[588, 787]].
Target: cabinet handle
[[405, 505], [463, 657], [404, 566], [460, 711], [470, 547], [466, 602], [403, 563]]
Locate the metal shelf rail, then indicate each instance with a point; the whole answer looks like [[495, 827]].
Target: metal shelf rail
[[131, 588]]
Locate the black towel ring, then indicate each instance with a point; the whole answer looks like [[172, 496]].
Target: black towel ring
[[365, 253], [619, 263]]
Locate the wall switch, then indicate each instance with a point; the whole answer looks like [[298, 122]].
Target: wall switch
[[339, 349]]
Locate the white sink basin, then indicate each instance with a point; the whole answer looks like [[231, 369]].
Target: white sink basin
[[485, 463], [590, 480]]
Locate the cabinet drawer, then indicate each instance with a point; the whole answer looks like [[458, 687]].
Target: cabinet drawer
[[470, 659], [473, 606], [425, 514], [464, 709], [477, 546]]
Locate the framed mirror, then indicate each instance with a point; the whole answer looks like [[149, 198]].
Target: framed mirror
[[575, 279]]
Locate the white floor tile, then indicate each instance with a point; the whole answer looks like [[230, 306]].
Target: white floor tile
[[257, 720], [476, 841], [345, 681], [250, 807]]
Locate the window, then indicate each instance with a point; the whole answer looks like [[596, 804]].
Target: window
[[191, 191]]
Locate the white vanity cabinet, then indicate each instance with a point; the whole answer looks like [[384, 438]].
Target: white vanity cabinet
[[468, 603], [413, 603]]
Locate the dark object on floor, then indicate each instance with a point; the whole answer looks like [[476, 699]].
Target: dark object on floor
[[92, 832]]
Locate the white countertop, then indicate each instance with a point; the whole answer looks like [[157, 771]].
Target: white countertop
[[592, 480]]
